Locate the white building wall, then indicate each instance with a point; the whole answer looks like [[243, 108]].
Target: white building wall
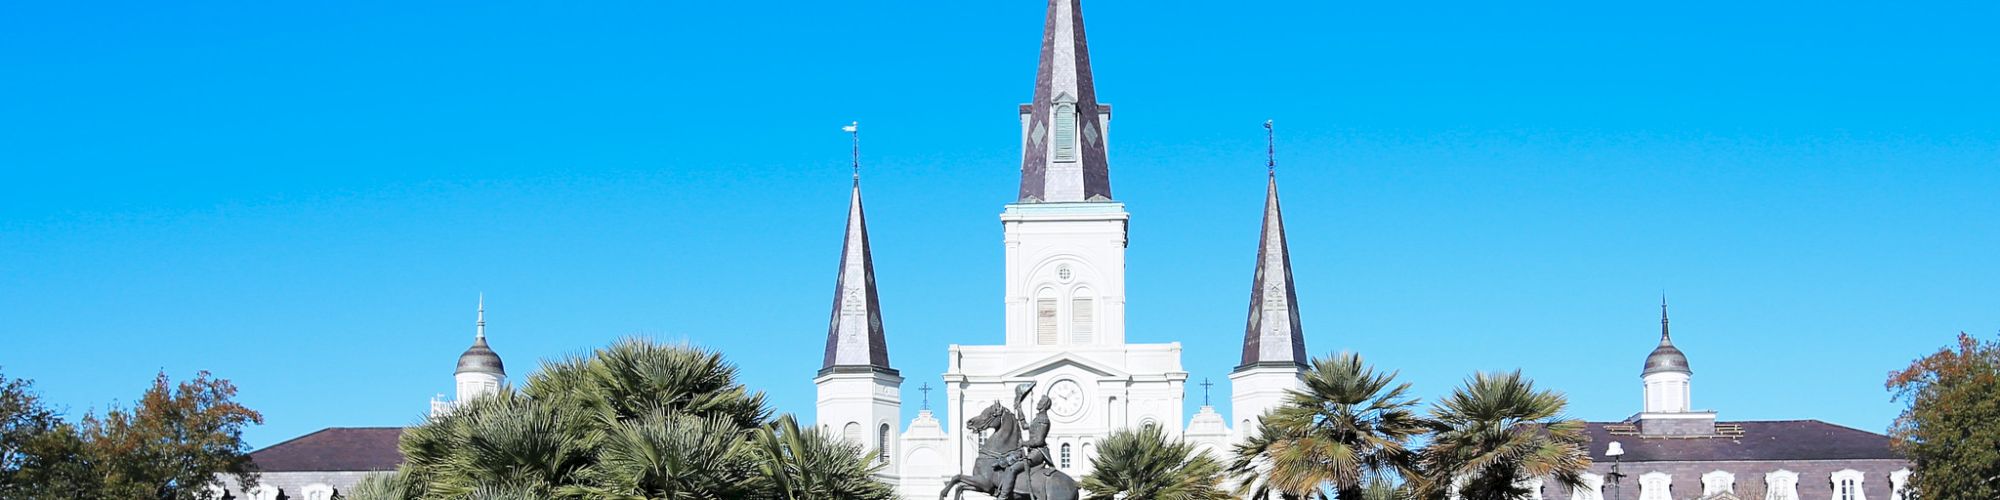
[[860, 405], [1065, 251], [1668, 392], [1257, 390], [473, 384]]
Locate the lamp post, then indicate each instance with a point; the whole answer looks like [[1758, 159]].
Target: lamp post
[[1617, 453]]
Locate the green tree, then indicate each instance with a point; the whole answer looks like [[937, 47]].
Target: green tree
[[1146, 463], [1951, 428], [392, 486], [175, 444], [802, 464], [40, 455], [635, 420], [1349, 427], [1497, 431]]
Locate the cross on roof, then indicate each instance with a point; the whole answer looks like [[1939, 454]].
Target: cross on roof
[[927, 394], [1204, 390]]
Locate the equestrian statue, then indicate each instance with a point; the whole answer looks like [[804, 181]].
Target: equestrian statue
[[1009, 467]]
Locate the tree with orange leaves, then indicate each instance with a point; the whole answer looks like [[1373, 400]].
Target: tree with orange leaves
[[1951, 428]]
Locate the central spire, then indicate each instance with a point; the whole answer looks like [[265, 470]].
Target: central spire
[[1062, 131]]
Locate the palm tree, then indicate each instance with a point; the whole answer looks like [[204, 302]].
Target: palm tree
[[667, 456], [504, 440], [801, 464], [391, 486], [1145, 463], [1498, 431], [1348, 427], [635, 420]]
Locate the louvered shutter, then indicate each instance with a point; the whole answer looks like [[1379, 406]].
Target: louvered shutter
[[1045, 321], [1083, 321]]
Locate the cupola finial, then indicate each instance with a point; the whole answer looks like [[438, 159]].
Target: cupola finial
[[1666, 338], [480, 327]]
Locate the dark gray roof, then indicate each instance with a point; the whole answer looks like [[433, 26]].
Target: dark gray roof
[[1666, 358], [1745, 441], [1274, 300], [334, 449], [1095, 171], [862, 300], [480, 359]]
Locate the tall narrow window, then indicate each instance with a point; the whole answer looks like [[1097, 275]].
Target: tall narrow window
[[1082, 320], [1065, 132], [1065, 455], [1847, 490], [1045, 321], [882, 445]]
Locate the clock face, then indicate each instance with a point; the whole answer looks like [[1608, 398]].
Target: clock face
[[1066, 398]]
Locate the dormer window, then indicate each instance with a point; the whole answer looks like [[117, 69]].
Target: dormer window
[[1065, 116]]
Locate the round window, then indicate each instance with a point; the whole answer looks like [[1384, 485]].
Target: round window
[[1062, 273]]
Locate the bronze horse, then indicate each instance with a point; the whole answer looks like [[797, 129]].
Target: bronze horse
[[1036, 484]]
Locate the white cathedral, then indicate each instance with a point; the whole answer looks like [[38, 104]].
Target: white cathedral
[[1065, 238]]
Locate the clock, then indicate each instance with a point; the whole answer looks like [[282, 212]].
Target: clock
[[1066, 399]]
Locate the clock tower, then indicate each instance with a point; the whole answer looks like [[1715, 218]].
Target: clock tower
[[1064, 239]]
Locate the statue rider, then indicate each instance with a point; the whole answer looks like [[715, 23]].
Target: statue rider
[[1034, 450]]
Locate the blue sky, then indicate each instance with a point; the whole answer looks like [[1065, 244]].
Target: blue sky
[[307, 198]]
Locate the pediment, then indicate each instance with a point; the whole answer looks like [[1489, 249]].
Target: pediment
[[1061, 360]]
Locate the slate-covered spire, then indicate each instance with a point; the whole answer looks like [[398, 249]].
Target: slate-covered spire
[[854, 334], [1062, 150], [1273, 336]]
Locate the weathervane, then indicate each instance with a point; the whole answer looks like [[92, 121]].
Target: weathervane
[[1270, 149], [854, 129]]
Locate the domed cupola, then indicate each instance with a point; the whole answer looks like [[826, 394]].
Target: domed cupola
[[1667, 375], [479, 371], [1666, 357], [480, 359]]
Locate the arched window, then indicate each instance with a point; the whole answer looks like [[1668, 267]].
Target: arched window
[[1065, 456], [317, 491], [882, 445], [852, 433], [1591, 489], [1717, 483], [1082, 319], [1899, 483], [1045, 320], [1656, 486], [1781, 485], [264, 492], [1847, 485], [1065, 116]]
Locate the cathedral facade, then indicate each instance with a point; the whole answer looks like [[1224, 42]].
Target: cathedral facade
[[1065, 239]]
